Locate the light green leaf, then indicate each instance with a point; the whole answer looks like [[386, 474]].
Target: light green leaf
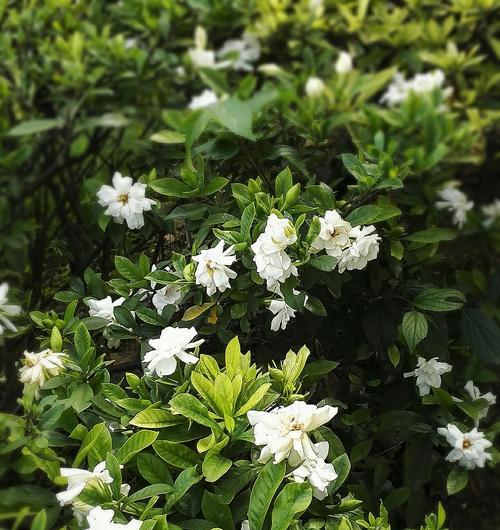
[[168, 137], [214, 466], [136, 443], [290, 503], [457, 480], [35, 126], [176, 454], [154, 419], [414, 328]]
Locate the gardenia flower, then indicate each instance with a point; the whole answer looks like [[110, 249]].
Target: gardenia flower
[[315, 87], [173, 343], [240, 53], [491, 212], [456, 202], [213, 270], [245, 525], [399, 90], [475, 393], [363, 249], [428, 374], [283, 430], [104, 308], [79, 478], [283, 313], [469, 448], [344, 63], [317, 471], [38, 367], [199, 55], [7, 310], [125, 201], [334, 235], [270, 69], [99, 519], [203, 100]]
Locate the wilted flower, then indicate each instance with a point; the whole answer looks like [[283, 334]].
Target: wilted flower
[[7, 310], [283, 430], [104, 308], [125, 201], [315, 87], [491, 213], [317, 471], [334, 235], [239, 54], [455, 201], [172, 344], [344, 63], [203, 100], [363, 249], [167, 295], [283, 313], [38, 367], [78, 478], [99, 519], [469, 448], [428, 374], [213, 270]]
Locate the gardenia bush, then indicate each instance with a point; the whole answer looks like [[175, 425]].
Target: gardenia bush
[[250, 256]]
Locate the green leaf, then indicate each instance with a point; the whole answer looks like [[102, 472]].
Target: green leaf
[[136, 443], [96, 444], [439, 300], [216, 511], [171, 187], [168, 137], [482, 334], [247, 218], [432, 235], [263, 491], [40, 521], [292, 501], [113, 466], [414, 328], [342, 467], [154, 419], [315, 306], [361, 450], [236, 116], [186, 479], [56, 340], [324, 263], [394, 355], [216, 184], [176, 454], [457, 480], [396, 498], [195, 311], [214, 466], [153, 469], [372, 213], [82, 339], [283, 183], [192, 408], [354, 166], [150, 491], [127, 269], [35, 126], [81, 397]]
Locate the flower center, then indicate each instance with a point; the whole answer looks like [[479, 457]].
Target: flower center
[[210, 267], [466, 444], [123, 198]]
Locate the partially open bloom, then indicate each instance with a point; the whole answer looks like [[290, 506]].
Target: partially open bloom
[[239, 54], [104, 308], [245, 525], [279, 233], [315, 87], [491, 213], [172, 344], [125, 201], [282, 314], [317, 471], [79, 478], [344, 63], [203, 100], [39, 367], [283, 431], [334, 235], [213, 270], [455, 201], [363, 249], [199, 55], [99, 519], [7, 310], [428, 374], [469, 448], [475, 393]]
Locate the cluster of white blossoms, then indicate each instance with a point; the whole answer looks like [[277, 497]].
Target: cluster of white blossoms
[[283, 434], [213, 270], [7, 311], [172, 344], [99, 519], [125, 201], [469, 448], [491, 213], [354, 247], [37, 368], [455, 201], [428, 374], [400, 88], [273, 264]]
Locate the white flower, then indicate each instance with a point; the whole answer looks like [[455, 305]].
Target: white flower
[[428, 374], [125, 201], [199, 55], [167, 295], [203, 100], [399, 90], [316, 471], [99, 519], [78, 478], [315, 87], [491, 212], [334, 235], [455, 201], [283, 430], [213, 270], [173, 343], [283, 313], [279, 233], [271, 69], [239, 54], [344, 63], [104, 308], [245, 525], [469, 448], [7, 310], [363, 249], [316, 7], [38, 367], [475, 393]]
